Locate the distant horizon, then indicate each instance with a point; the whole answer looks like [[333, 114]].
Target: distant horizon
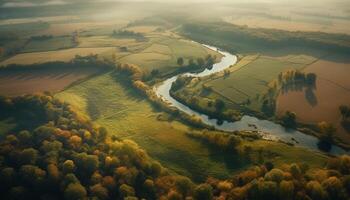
[[37, 3]]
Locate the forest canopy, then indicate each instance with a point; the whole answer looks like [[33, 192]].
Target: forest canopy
[[65, 156]]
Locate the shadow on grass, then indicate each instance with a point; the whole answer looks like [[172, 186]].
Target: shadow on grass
[[133, 93], [126, 84], [232, 160]]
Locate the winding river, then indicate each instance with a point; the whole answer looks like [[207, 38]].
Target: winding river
[[268, 129]]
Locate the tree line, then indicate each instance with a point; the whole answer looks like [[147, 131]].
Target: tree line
[[78, 61], [68, 157], [129, 34], [345, 114], [222, 34]]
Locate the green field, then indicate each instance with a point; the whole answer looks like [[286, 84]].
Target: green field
[[24, 29], [121, 110], [161, 52], [51, 44], [248, 79], [113, 104]]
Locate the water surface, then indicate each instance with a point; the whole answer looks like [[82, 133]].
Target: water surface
[[268, 129]]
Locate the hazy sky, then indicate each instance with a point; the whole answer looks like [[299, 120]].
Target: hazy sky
[[28, 3]]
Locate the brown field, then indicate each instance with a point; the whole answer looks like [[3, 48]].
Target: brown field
[[333, 90], [50, 56], [13, 83]]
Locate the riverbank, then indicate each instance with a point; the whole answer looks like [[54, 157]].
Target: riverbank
[[294, 136]]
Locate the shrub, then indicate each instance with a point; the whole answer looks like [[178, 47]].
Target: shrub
[[203, 192]]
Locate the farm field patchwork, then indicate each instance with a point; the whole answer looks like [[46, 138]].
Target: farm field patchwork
[[50, 56], [105, 41], [248, 79], [14, 83], [284, 19], [115, 99], [161, 53], [51, 44], [332, 90], [114, 105]]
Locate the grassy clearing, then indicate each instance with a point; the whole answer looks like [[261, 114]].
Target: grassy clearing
[[289, 154], [121, 110], [104, 41], [248, 79], [24, 29], [161, 52], [55, 43], [51, 56]]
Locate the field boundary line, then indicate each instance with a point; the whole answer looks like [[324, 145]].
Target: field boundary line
[[335, 83], [235, 70], [228, 99], [78, 82]]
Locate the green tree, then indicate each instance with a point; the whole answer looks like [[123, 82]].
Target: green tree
[[315, 190], [68, 166], [191, 63], [275, 175], [268, 190], [7, 176], [289, 119], [126, 191], [203, 192], [75, 191], [200, 62], [334, 188], [295, 170], [344, 111], [184, 185], [311, 79], [32, 175], [180, 61], [219, 105], [286, 190], [327, 131], [99, 191], [210, 60], [29, 156], [87, 163]]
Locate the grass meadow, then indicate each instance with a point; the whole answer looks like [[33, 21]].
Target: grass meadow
[[248, 79], [55, 43], [112, 103]]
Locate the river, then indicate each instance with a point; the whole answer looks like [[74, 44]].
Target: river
[[268, 129]]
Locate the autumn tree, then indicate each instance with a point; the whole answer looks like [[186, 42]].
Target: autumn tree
[[75, 191], [327, 130], [203, 192]]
